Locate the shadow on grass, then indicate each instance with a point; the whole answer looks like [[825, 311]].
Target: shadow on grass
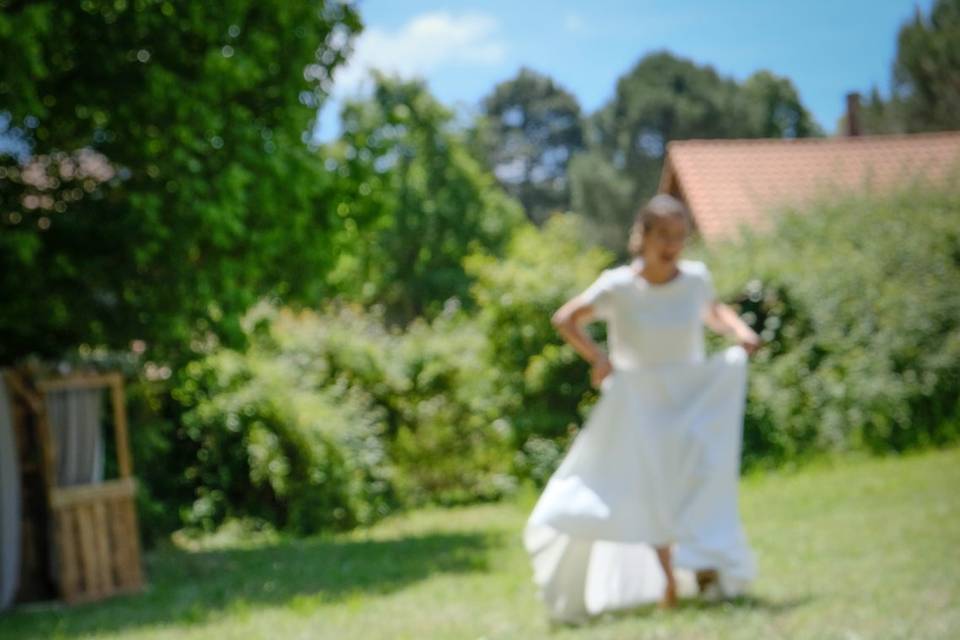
[[746, 602], [192, 587], [692, 605]]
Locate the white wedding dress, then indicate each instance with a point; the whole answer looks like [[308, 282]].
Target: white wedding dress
[[656, 463]]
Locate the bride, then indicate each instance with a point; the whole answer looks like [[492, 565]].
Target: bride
[[644, 505]]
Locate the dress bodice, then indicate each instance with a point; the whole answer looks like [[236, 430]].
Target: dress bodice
[[650, 324]]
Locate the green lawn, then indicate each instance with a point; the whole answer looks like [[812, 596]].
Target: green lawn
[[848, 550]]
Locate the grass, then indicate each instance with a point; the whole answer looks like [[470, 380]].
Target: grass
[[849, 549]]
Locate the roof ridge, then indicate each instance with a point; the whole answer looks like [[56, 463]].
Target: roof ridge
[[885, 138]]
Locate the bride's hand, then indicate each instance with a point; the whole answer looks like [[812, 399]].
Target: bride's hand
[[600, 370], [750, 342]]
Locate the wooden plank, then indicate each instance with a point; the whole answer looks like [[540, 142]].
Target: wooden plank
[[133, 543], [78, 381], [88, 552], [66, 540], [88, 493], [102, 561], [119, 548], [48, 449], [124, 462], [111, 541], [16, 381], [107, 544], [19, 383]]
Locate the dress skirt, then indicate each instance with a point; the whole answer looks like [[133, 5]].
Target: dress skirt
[[657, 463]]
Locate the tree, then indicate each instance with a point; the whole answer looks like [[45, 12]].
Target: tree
[[609, 197], [534, 128], [878, 116], [666, 98], [775, 108], [542, 381], [155, 181], [414, 201], [926, 72]]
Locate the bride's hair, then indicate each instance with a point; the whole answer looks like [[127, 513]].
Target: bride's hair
[[660, 206]]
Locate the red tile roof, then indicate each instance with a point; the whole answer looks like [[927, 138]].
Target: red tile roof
[[727, 183]]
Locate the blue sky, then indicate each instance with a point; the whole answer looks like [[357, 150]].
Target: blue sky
[[463, 49]]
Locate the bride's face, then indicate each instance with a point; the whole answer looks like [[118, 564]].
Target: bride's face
[[663, 242]]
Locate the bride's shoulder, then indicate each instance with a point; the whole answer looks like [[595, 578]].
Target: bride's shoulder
[[619, 275], [694, 267]]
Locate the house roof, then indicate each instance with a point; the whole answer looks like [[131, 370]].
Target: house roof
[[728, 183]]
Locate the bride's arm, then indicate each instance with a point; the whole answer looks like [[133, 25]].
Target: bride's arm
[[569, 321], [725, 321]]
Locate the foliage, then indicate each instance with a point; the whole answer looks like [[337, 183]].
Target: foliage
[[840, 370], [541, 380], [155, 181], [927, 69], [453, 444], [606, 198], [663, 98], [413, 201], [262, 441], [155, 184], [442, 432], [459, 408], [329, 420], [926, 77], [532, 127], [774, 108], [863, 324], [878, 116]]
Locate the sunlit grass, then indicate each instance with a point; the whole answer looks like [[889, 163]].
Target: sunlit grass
[[848, 549]]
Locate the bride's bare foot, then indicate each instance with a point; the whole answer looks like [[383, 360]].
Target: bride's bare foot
[[669, 600], [664, 554], [706, 578]]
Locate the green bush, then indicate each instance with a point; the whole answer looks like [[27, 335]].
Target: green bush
[[442, 432], [331, 419], [859, 298], [262, 442], [453, 444], [542, 384]]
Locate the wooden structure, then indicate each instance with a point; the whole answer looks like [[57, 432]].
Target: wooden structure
[[94, 543]]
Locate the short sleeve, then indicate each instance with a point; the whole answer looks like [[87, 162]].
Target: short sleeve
[[600, 294], [707, 293]]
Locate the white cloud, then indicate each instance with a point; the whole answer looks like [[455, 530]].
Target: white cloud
[[573, 22], [426, 43]]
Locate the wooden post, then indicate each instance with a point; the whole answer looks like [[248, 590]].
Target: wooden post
[[35, 400], [118, 401]]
